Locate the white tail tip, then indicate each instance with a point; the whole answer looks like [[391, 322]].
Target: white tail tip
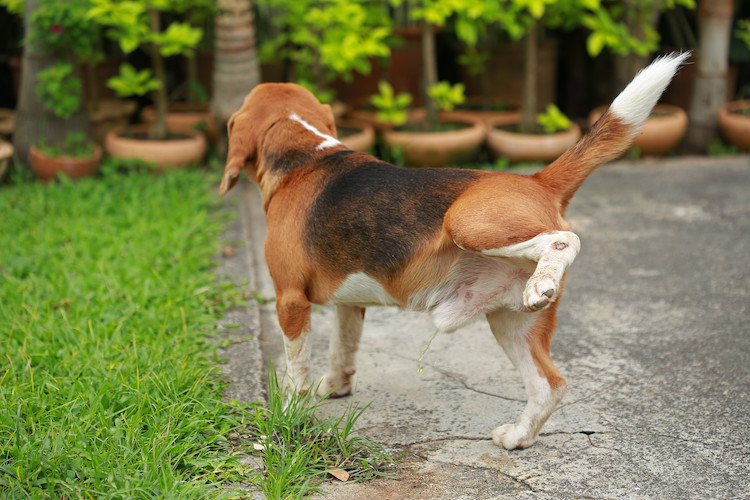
[[635, 103]]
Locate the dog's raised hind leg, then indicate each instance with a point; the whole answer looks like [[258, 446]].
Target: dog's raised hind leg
[[342, 352], [553, 252], [526, 338]]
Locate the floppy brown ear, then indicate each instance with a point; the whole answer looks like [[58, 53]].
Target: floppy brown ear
[[242, 149], [330, 121]]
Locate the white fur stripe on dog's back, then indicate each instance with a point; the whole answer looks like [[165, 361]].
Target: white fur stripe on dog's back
[[328, 141], [634, 104]]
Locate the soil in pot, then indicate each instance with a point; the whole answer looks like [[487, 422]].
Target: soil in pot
[[180, 150]]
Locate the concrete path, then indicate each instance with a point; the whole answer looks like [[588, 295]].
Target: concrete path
[[653, 338]]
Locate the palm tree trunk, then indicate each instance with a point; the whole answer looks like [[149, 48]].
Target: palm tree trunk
[[236, 68], [710, 89]]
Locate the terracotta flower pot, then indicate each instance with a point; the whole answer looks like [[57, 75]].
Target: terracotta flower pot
[[180, 120], [183, 150], [438, 149], [517, 147], [363, 139], [662, 132], [6, 151], [47, 167], [736, 126], [110, 114]]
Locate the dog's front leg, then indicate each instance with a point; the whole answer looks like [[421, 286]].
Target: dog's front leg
[[343, 350], [525, 338], [293, 310]]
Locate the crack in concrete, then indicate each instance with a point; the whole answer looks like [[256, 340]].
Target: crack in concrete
[[459, 379], [462, 381], [564, 404], [521, 480]]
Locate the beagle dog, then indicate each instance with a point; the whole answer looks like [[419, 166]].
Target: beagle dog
[[349, 230]]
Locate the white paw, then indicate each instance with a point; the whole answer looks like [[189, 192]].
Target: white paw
[[540, 292], [512, 436], [336, 386]]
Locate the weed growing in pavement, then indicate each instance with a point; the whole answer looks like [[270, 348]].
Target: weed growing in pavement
[[299, 448]]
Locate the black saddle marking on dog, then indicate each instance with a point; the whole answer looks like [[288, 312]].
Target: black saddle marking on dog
[[371, 216]]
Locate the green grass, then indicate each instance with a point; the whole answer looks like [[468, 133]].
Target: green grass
[[299, 448], [109, 386]]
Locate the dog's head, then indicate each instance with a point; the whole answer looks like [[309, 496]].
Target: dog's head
[[268, 106]]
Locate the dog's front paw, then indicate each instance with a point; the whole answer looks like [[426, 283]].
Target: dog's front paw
[[336, 385], [540, 292], [512, 436]]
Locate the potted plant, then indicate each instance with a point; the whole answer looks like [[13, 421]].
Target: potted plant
[[138, 24], [427, 139], [734, 117], [450, 138], [630, 34], [59, 38], [75, 156], [557, 134], [191, 111], [522, 19], [63, 32]]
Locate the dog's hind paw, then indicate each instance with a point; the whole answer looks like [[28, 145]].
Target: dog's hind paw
[[336, 386], [540, 292], [512, 436]]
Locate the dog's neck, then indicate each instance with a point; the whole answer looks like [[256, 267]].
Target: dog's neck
[[327, 140], [292, 144]]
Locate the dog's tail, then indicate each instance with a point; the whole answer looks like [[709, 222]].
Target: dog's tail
[[613, 133]]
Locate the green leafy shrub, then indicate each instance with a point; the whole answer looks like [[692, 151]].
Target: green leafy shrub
[[553, 120], [446, 95], [391, 108], [59, 89], [326, 40]]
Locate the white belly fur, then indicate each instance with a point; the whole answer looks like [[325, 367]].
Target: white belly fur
[[477, 285], [359, 289]]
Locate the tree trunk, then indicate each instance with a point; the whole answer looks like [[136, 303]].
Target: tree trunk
[[529, 104], [627, 66], [158, 129], [710, 89], [33, 122], [236, 68], [429, 73]]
